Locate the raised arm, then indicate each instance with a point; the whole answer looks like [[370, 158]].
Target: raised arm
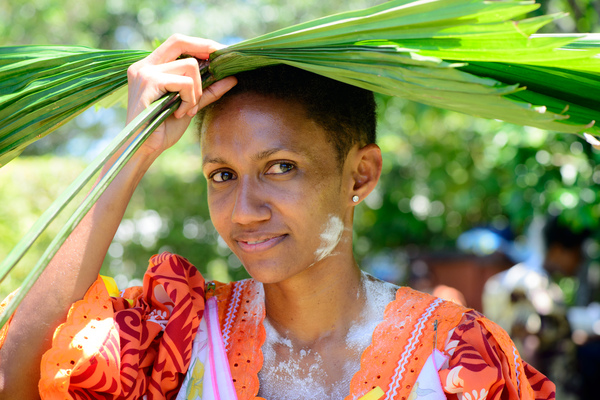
[[75, 267]]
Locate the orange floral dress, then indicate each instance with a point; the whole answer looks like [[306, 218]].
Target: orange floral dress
[[138, 345]]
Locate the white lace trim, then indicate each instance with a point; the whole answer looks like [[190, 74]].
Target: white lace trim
[[410, 348], [517, 366], [234, 305]]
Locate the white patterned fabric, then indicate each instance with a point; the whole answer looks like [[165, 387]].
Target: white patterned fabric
[[428, 385], [208, 377]]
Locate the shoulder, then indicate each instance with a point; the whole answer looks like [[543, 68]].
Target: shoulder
[[418, 316], [408, 299]]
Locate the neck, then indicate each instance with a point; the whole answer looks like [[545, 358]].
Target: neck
[[320, 303]]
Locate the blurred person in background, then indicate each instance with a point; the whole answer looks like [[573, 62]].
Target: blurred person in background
[[549, 325]]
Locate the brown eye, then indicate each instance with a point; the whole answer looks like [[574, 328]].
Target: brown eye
[[222, 176], [280, 168]]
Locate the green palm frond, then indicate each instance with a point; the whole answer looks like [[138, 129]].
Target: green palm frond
[[464, 55], [144, 124], [43, 87]]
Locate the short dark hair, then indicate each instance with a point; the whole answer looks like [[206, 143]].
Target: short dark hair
[[346, 112], [557, 231]]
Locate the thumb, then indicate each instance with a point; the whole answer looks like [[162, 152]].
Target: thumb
[[216, 90]]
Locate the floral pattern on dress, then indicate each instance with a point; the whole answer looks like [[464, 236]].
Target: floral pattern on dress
[[111, 348]]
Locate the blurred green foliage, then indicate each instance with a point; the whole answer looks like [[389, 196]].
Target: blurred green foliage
[[444, 172]]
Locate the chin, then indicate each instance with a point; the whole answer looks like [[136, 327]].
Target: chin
[[268, 272], [267, 278], [264, 272]]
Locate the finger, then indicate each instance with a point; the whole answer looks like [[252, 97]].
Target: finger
[[184, 85], [185, 67], [178, 45], [216, 90]]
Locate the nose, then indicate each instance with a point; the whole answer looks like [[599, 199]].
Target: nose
[[250, 205]]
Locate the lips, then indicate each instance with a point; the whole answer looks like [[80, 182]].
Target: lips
[[253, 244], [258, 241]]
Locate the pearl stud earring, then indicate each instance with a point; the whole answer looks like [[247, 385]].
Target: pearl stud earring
[[355, 198]]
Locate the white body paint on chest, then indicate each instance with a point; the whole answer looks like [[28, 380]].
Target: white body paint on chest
[[293, 373]]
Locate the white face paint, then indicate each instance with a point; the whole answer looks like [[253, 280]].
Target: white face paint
[[330, 237]]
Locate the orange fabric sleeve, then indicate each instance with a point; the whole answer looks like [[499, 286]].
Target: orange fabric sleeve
[[128, 347]]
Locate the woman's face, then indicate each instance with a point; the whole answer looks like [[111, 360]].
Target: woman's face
[[276, 193]]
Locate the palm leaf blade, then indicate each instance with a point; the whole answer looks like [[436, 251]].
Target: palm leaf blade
[[43, 87], [150, 119]]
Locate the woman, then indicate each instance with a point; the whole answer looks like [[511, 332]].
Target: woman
[[284, 174]]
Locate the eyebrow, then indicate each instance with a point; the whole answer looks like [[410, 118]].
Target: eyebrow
[[257, 157], [267, 153], [215, 160]]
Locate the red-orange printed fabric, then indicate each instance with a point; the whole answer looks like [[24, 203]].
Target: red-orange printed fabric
[[128, 348], [484, 364], [139, 345]]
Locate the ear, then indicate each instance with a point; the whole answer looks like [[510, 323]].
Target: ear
[[366, 170]]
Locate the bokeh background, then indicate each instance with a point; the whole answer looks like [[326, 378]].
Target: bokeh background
[[444, 173]]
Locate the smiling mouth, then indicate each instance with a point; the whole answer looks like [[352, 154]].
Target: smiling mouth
[[253, 246], [258, 241]]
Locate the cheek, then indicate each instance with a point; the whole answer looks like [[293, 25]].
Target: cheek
[[327, 198], [217, 208]]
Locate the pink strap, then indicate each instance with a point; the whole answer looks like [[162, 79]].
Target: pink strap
[[219, 364]]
